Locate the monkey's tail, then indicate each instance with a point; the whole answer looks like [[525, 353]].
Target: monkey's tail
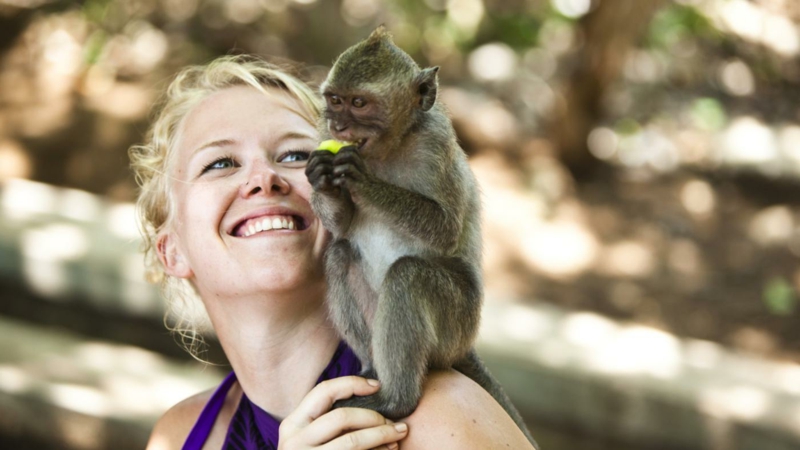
[[472, 366]]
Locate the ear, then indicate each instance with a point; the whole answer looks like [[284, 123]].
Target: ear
[[379, 34], [427, 84], [171, 257]]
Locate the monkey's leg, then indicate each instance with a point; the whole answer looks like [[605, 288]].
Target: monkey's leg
[[427, 316], [342, 276]]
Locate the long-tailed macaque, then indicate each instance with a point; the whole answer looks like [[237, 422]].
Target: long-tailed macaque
[[402, 205]]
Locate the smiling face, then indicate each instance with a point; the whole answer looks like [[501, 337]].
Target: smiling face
[[242, 224]]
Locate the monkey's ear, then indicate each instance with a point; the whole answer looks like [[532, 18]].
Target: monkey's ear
[[171, 257], [427, 83], [379, 34]]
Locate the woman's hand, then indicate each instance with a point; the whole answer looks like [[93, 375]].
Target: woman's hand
[[314, 426]]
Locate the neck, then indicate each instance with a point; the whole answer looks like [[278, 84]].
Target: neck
[[278, 346]]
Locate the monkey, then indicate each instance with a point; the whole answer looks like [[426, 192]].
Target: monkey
[[403, 208]]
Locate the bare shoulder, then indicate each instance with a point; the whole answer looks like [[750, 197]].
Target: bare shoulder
[[172, 428], [457, 413]]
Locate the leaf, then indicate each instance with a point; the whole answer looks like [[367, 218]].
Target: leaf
[[779, 297]]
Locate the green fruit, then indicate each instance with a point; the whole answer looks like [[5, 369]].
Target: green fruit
[[332, 145]]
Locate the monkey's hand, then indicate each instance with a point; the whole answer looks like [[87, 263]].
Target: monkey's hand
[[331, 203], [349, 170], [319, 171]]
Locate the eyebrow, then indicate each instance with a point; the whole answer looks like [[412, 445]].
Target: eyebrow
[[295, 135], [229, 142], [217, 143]]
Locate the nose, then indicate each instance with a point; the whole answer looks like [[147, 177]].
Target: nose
[[263, 179], [340, 126]]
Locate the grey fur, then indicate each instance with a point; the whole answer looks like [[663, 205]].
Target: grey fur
[[404, 274]]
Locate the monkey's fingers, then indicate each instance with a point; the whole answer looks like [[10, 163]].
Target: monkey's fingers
[[349, 171], [319, 158]]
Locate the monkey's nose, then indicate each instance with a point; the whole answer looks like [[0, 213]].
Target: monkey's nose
[[340, 126]]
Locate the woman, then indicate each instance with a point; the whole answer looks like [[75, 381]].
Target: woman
[[224, 206]]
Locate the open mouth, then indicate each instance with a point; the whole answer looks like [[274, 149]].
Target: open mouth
[[270, 223]]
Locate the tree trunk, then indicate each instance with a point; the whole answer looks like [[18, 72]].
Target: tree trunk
[[610, 31]]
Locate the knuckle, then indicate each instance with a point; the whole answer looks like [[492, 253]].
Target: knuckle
[[352, 440]]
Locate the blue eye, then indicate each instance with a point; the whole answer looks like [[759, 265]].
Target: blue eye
[[226, 162], [295, 156]]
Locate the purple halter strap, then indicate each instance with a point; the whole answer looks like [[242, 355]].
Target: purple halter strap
[[252, 428]]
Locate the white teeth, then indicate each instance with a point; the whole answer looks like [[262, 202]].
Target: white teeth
[[270, 223]]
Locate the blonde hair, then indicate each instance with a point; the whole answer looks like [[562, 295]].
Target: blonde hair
[[185, 314]]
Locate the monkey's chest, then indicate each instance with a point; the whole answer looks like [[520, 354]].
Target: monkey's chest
[[379, 247]]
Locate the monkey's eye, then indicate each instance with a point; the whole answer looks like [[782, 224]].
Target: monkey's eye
[[359, 102], [335, 100]]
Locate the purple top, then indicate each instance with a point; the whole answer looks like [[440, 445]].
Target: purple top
[[252, 428]]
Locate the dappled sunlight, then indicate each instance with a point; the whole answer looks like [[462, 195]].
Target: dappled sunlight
[[698, 198], [756, 24], [627, 259], [639, 350], [64, 257], [559, 248], [737, 78], [14, 160], [588, 330], [24, 200], [492, 62], [772, 226], [54, 242], [736, 402], [466, 14], [747, 141], [122, 221], [94, 378], [358, 13], [572, 8]]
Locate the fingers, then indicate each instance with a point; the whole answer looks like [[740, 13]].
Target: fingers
[[319, 170], [381, 436], [320, 399], [313, 425], [349, 164], [338, 421]]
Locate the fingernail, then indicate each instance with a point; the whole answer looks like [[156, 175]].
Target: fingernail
[[372, 382], [401, 427]]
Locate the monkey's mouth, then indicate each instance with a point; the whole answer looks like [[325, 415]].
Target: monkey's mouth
[[360, 143]]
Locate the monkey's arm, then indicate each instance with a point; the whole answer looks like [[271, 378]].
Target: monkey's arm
[[436, 223], [333, 205]]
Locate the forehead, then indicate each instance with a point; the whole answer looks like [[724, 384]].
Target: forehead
[[241, 110]]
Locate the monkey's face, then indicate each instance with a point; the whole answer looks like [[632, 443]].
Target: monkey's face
[[356, 117]]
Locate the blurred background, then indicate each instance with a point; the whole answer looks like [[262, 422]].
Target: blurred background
[[640, 166]]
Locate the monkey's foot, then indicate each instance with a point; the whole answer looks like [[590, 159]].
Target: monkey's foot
[[387, 408]]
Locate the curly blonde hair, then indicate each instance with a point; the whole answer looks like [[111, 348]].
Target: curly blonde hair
[[185, 314]]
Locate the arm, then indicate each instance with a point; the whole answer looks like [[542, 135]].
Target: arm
[[435, 221], [456, 413]]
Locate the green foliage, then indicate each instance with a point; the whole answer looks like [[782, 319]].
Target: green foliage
[[779, 297], [676, 22], [627, 126], [520, 31], [708, 114]]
